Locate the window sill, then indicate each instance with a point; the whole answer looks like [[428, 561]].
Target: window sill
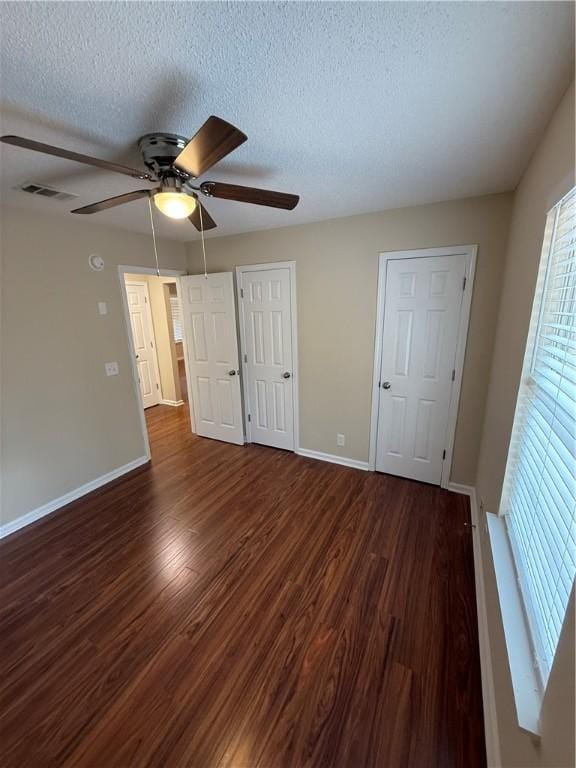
[[527, 690]]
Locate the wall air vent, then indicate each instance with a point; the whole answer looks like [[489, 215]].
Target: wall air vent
[[33, 188]]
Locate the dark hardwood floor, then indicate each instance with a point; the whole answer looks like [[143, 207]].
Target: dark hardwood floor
[[242, 606]]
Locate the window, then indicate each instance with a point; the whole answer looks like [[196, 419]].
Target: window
[[176, 317], [539, 499]]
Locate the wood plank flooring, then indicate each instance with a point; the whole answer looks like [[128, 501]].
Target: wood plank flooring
[[242, 607]]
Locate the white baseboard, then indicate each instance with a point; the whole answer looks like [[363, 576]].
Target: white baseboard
[[171, 402], [467, 490], [52, 506], [330, 457], [488, 694]]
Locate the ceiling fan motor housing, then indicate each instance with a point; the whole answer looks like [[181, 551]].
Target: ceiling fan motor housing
[[159, 150]]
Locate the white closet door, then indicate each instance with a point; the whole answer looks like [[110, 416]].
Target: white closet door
[[209, 324], [420, 335], [267, 319], [143, 342]]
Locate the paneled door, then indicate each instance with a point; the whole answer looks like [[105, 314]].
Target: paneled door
[[420, 335], [143, 342], [266, 309], [209, 323]]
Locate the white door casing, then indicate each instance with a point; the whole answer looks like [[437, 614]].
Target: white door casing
[[267, 323], [209, 324], [143, 342], [421, 324]]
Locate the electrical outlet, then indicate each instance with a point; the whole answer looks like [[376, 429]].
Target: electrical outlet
[[102, 308], [340, 440], [111, 369]]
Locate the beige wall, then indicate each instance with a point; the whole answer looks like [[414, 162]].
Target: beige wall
[[549, 176], [337, 269], [64, 423], [166, 352]]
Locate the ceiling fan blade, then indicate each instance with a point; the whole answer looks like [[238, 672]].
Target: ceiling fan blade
[[207, 220], [215, 139], [112, 202], [250, 195], [48, 149]]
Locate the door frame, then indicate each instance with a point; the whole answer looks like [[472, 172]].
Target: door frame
[[469, 254], [239, 270], [151, 331], [124, 269]]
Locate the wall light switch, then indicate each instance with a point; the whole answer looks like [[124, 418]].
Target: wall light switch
[[102, 308], [111, 369], [340, 440]]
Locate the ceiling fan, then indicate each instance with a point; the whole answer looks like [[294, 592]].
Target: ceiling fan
[[174, 162]]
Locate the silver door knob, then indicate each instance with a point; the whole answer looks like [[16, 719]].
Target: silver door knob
[[285, 375], [232, 373], [386, 385]]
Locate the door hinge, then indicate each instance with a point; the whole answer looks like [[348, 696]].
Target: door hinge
[[443, 455], [245, 358], [157, 386], [464, 284], [145, 300], [249, 417], [453, 374], [241, 293]]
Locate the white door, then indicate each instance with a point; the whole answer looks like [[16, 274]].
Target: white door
[[269, 386], [143, 342], [421, 319], [209, 323]]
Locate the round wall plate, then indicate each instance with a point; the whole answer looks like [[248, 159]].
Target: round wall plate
[[96, 262]]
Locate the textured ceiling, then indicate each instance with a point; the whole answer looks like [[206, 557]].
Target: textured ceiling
[[356, 106]]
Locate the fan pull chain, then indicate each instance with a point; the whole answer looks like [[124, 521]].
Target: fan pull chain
[[203, 246], [154, 237]]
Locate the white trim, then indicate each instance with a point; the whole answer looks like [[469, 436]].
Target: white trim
[[525, 679], [67, 498], [124, 269], [333, 459], [133, 270], [191, 415], [466, 490], [171, 402], [491, 733], [469, 252], [290, 265]]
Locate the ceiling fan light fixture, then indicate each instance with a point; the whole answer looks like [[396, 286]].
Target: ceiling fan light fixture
[[176, 205]]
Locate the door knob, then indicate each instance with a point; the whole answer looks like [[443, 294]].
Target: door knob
[[232, 373], [386, 385], [285, 375]]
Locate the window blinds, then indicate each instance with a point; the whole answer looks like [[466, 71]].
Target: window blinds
[[539, 498], [176, 317]]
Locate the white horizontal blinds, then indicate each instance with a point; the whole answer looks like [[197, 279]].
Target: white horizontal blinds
[[540, 490], [176, 317]]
